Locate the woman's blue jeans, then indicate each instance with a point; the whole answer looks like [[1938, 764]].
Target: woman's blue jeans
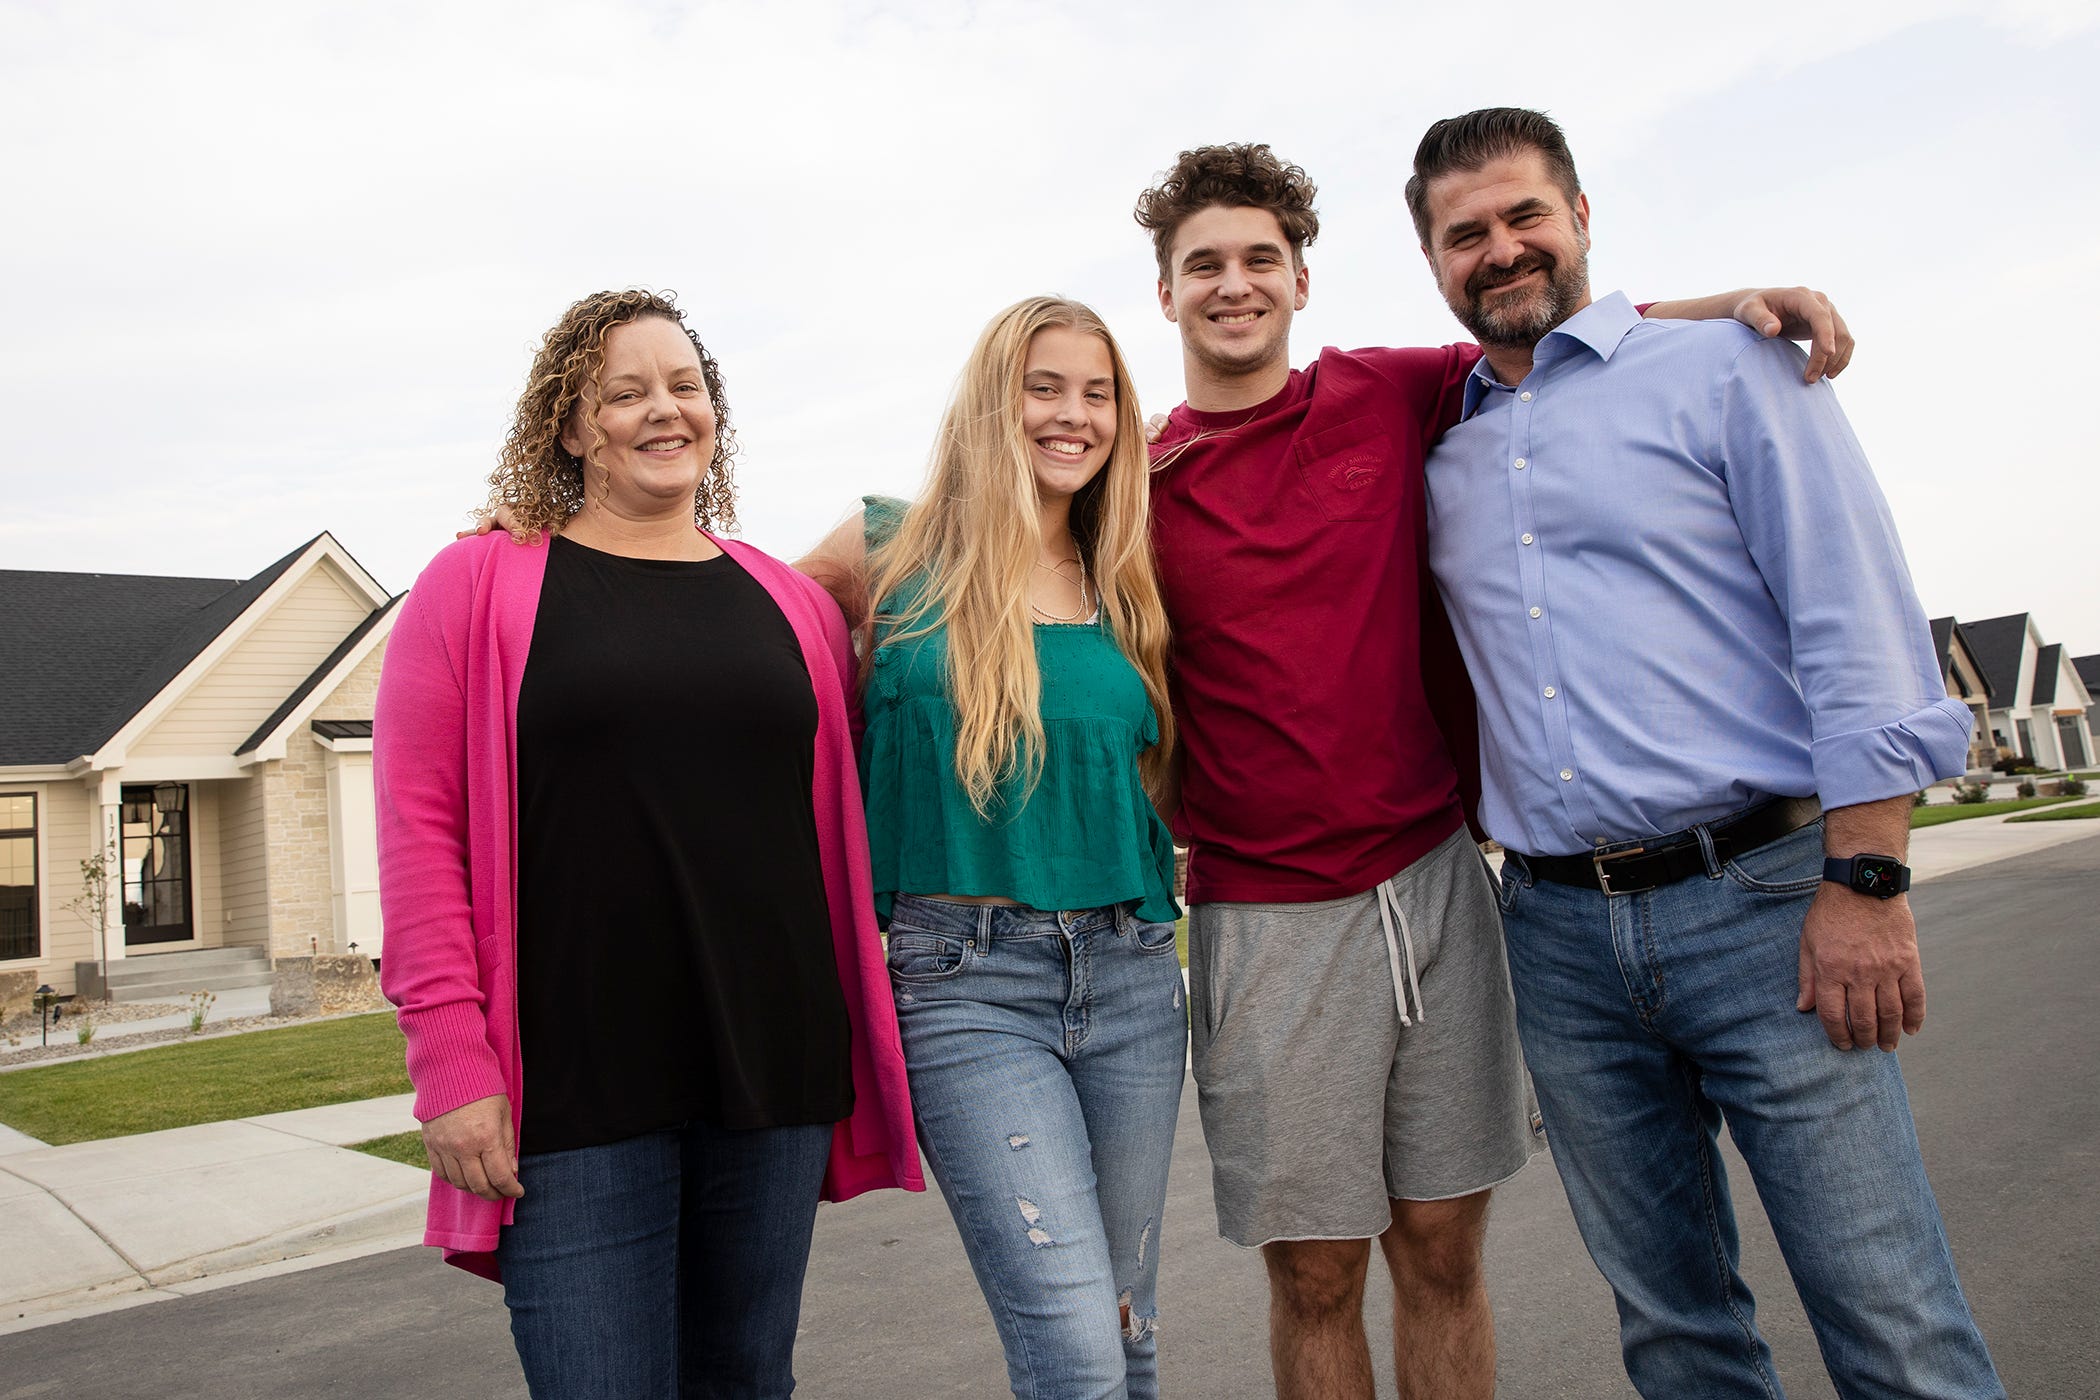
[[667, 1265], [1046, 1053], [1649, 1018]]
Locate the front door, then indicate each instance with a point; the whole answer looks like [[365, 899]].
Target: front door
[[157, 864]]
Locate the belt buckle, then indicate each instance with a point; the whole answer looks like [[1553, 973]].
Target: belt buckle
[[1604, 877]]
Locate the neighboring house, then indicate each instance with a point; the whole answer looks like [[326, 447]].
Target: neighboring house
[[2037, 701], [1966, 682], [2088, 669], [213, 736], [2061, 696]]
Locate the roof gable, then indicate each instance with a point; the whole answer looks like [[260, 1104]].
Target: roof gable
[[1998, 643], [86, 653], [323, 679]]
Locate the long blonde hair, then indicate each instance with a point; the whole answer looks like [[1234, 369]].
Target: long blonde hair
[[967, 546]]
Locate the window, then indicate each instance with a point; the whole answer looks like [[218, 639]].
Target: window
[[18, 928]]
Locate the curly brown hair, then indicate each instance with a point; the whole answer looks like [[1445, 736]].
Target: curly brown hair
[[1237, 175], [540, 482]]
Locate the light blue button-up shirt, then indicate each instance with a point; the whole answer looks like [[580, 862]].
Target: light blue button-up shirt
[[1677, 588]]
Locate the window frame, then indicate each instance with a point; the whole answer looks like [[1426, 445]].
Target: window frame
[[34, 834]]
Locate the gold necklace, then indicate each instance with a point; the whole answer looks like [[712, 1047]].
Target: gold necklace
[[1058, 571]]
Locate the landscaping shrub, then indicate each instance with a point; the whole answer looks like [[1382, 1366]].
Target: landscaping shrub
[[2024, 788]]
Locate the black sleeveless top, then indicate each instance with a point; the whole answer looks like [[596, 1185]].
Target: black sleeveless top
[[674, 943]]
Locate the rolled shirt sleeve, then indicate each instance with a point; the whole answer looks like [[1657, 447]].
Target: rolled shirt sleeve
[[1821, 534]]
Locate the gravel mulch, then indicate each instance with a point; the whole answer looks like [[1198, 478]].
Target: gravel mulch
[[65, 1044]]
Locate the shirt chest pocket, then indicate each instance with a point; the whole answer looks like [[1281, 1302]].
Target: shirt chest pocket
[[1351, 470]]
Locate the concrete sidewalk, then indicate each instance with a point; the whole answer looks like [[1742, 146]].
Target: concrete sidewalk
[[1962, 845], [129, 1220]]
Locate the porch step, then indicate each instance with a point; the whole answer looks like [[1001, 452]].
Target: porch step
[[176, 988], [172, 976]]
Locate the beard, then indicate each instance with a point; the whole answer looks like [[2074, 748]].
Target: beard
[[1525, 317]]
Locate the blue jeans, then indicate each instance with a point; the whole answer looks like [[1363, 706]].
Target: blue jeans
[[1046, 1053], [667, 1265], [1649, 1018]]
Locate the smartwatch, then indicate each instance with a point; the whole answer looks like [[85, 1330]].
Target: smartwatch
[[1883, 877]]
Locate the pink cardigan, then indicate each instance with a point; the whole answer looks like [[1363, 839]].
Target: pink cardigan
[[444, 769]]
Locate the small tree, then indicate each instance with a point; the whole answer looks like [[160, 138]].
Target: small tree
[[92, 904]]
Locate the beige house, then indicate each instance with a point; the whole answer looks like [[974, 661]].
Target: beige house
[[212, 737]]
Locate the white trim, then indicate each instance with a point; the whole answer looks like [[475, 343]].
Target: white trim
[[273, 743], [36, 773], [193, 768], [343, 745], [324, 550]]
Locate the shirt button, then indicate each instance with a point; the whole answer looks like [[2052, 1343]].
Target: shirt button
[[1520, 464], [1549, 692], [1567, 775], [1525, 396], [1534, 612], [1527, 539]]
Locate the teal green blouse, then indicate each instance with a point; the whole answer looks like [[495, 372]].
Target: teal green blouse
[[1085, 836]]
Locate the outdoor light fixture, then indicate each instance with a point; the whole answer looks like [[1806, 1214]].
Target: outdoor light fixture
[[44, 997]]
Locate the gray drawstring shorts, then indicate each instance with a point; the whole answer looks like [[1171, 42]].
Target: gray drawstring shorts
[[1356, 1050]]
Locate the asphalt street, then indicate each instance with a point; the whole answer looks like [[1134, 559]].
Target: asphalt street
[[2003, 1082]]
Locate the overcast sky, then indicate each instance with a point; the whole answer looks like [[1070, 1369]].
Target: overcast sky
[[278, 268]]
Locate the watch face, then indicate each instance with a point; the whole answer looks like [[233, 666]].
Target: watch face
[[1871, 875]]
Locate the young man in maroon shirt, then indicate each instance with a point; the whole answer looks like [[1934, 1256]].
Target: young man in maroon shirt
[[1355, 1045]]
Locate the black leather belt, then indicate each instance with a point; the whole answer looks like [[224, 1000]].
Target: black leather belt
[[1664, 860]]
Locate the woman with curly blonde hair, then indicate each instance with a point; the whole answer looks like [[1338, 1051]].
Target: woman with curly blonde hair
[[667, 948], [1018, 728]]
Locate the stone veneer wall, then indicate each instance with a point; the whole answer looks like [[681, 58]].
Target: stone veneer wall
[[302, 912]]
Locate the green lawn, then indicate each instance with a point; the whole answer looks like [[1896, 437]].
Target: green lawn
[[235, 1076], [1181, 938], [2062, 814], [1941, 812], [397, 1147]]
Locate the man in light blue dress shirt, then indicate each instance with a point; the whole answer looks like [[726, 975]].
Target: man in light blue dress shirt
[[1688, 622]]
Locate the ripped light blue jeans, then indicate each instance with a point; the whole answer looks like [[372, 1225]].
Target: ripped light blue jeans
[[1046, 1052]]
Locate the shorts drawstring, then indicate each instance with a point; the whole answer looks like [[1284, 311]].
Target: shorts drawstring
[[1388, 910]]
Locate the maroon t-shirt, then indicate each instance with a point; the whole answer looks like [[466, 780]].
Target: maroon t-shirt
[[1291, 548]]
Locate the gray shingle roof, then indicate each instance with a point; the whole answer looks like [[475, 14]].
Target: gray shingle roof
[[2088, 669], [80, 654], [1997, 642], [2047, 662]]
